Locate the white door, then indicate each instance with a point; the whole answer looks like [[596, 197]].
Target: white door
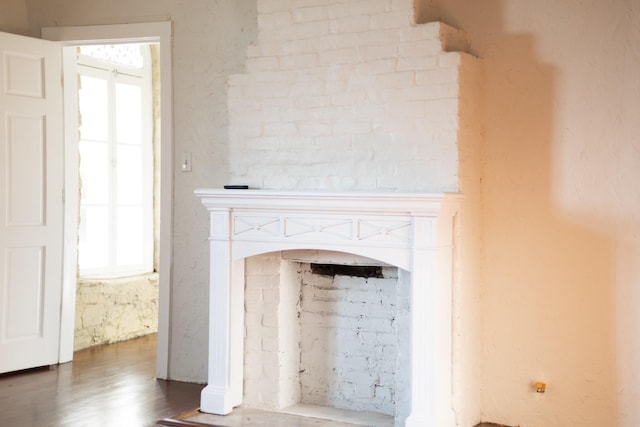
[[31, 205]]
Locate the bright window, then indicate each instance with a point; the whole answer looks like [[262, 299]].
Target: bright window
[[116, 161]]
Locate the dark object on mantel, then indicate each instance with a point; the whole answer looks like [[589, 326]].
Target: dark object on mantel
[[491, 425], [236, 187]]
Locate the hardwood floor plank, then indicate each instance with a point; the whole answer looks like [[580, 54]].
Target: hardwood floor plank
[[106, 386]]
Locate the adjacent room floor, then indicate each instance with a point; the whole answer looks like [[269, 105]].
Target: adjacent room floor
[[108, 385]]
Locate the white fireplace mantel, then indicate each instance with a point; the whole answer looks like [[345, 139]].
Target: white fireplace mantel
[[412, 231]]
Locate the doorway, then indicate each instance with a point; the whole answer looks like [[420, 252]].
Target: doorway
[[71, 38], [118, 101]]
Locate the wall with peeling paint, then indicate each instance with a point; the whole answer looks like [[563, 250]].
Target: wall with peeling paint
[[113, 310]]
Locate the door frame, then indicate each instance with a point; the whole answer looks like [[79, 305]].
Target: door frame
[[153, 32]]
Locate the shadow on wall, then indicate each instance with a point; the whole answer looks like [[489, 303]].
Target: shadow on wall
[[548, 281]]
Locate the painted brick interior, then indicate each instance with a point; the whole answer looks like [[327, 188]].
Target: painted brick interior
[[350, 341], [328, 341], [272, 333]]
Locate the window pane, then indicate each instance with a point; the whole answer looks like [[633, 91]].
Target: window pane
[[115, 175], [128, 118], [125, 54], [129, 174], [93, 247], [94, 172], [129, 248], [93, 108]]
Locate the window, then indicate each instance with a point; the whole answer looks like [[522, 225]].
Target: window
[[116, 160]]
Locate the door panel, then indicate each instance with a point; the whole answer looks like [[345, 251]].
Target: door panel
[[31, 207], [25, 293], [25, 181]]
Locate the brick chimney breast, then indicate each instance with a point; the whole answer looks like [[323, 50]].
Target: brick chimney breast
[[347, 95]]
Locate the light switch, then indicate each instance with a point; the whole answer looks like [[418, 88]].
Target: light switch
[[185, 161]]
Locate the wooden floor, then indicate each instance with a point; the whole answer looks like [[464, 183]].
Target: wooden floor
[[106, 386]]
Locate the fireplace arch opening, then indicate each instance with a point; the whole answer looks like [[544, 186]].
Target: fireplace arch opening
[[317, 341]]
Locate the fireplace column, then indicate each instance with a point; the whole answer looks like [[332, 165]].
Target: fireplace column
[[431, 403], [226, 319]]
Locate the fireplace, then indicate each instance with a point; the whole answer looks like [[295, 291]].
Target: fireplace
[[359, 125], [411, 231]]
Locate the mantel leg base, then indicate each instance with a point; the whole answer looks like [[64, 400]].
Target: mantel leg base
[[215, 400]]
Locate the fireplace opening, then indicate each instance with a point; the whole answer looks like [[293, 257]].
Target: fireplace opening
[[348, 340], [326, 335]]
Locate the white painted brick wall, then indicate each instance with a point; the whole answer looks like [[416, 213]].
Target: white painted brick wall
[[403, 359], [271, 335], [346, 95], [349, 341]]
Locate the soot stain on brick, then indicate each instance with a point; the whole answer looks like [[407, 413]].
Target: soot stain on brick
[[333, 270]]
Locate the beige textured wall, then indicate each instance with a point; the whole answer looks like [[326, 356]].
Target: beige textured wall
[[13, 16], [560, 208], [209, 43]]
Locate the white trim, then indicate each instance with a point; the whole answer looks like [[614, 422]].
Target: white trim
[[71, 215], [155, 32]]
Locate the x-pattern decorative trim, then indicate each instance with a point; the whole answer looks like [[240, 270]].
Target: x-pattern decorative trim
[[342, 229], [378, 229], [349, 229], [256, 225]]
